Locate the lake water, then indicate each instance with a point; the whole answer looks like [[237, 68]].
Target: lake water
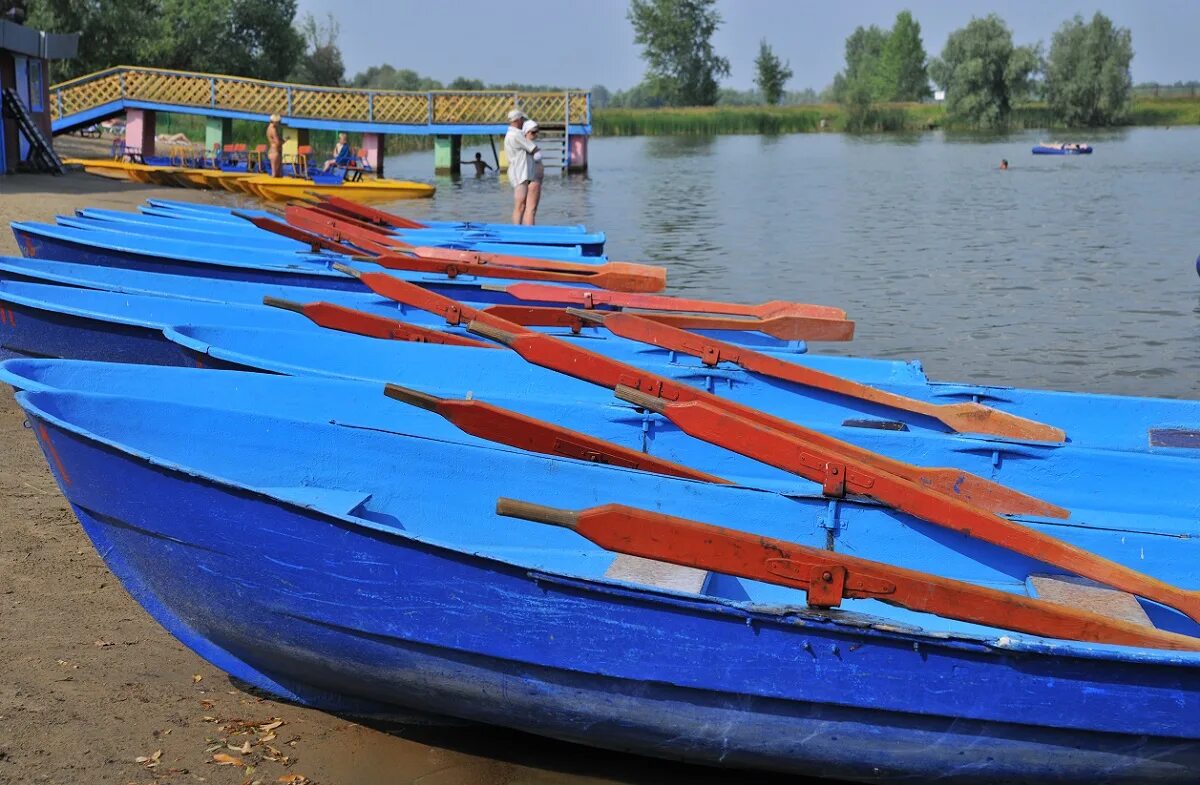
[[1064, 272]]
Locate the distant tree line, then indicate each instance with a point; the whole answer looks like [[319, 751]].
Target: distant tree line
[[1084, 78]]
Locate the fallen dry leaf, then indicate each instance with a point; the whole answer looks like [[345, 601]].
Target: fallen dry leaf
[[221, 759], [104, 644], [270, 725], [206, 704], [293, 779], [244, 749], [197, 679], [149, 761]]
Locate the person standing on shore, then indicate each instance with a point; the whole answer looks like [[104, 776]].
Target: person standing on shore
[[519, 150], [537, 173], [275, 145]]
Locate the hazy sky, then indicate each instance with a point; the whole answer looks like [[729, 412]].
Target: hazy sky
[[580, 43]]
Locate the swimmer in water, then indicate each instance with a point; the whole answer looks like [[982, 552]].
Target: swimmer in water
[[1003, 163]]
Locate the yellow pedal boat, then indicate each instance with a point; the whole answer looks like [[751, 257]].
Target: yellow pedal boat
[[284, 189]]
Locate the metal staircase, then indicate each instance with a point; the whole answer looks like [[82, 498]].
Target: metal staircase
[[41, 151], [553, 141]]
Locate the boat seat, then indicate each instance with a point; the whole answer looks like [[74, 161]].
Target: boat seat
[[662, 575], [1086, 595]]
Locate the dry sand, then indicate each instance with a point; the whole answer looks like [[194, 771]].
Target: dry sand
[[91, 684]]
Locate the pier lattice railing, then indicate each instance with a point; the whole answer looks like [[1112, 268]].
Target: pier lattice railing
[[197, 91]]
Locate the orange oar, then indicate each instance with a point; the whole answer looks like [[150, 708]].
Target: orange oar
[[339, 317], [518, 430], [378, 241], [784, 327], [584, 298], [827, 576], [959, 417]]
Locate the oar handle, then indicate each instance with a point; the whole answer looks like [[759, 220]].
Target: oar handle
[[538, 513], [279, 302]]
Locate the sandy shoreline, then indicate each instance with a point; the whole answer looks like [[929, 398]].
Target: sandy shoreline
[[91, 683]]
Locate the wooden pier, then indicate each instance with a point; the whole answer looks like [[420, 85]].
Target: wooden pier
[[447, 115]]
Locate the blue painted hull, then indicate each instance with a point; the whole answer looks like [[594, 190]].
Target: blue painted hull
[[168, 204], [65, 321], [585, 244], [130, 253], [378, 597], [87, 276]]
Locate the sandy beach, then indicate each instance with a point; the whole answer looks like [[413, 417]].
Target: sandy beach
[[94, 691]]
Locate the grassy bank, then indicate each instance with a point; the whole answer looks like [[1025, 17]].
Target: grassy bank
[[703, 121]]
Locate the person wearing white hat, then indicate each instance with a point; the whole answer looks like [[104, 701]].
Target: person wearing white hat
[[538, 172], [519, 149]]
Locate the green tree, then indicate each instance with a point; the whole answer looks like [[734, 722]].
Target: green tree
[[856, 83], [771, 73], [463, 83], [600, 96], [982, 72], [321, 63], [1087, 72], [901, 73], [115, 32], [252, 38], [387, 77], [682, 67]]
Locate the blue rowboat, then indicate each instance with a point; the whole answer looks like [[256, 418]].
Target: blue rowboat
[[1090, 472], [169, 205], [1062, 149], [359, 588], [248, 238], [134, 252], [86, 276], [589, 243], [444, 240], [1156, 425], [63, 321], [235, 227]]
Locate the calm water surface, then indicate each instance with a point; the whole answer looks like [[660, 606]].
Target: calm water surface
[[1064, 272], [1071, 273]]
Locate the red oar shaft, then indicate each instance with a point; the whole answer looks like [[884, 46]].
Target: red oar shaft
[[369, 214], [300, 235], [584, 298], [343, 319], [527, 433], [827, 577], [967, 417]]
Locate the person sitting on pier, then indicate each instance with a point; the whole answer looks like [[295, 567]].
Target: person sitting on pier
[[520, 150], [481, 166], [343, 155]]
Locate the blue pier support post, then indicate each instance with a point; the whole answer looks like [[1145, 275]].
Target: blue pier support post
[[447, 153]]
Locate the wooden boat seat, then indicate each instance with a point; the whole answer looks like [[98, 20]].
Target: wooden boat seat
[[663, 575], [1089, 596]]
